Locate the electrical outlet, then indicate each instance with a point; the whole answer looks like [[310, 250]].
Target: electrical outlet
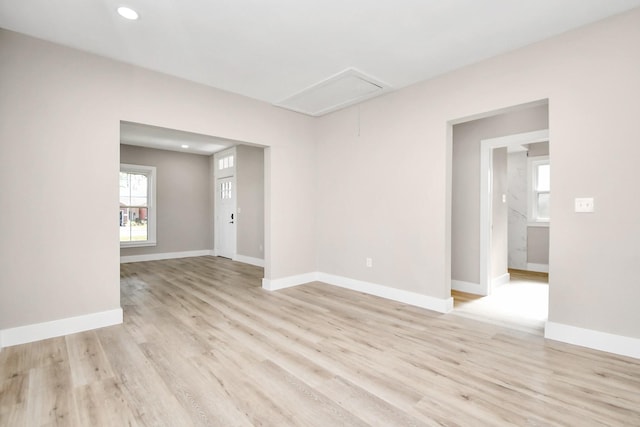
[[584, 204], [369, 262]]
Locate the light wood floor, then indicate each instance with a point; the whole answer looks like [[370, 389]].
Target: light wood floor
[[203, 344], [521, 304]]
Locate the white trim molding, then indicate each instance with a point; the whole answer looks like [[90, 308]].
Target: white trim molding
[[249, 260], [166, 255], [288, 282], [441, 305], [56, 328], [467, 287], [617, 344], [500, 280], [539, 268]]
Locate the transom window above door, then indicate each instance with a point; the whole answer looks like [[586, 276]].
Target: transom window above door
[[225, 162]]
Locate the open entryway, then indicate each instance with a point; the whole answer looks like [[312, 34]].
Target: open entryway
[[186, 195], [501, 216], [515, 185]]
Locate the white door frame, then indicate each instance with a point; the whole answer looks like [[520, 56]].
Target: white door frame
[[486, 172]]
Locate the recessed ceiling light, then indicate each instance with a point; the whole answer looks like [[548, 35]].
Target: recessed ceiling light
[[184, 146], [127, 13]]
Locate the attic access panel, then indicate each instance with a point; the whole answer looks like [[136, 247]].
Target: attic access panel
[[339, 91]]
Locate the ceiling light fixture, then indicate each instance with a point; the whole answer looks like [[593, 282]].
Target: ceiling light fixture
[[184, 146], [127, 13]]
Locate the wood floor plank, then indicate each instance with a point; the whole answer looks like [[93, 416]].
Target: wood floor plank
[[206, 402], [372, 409], [13, 399], [87, 359], [309, 403], [104, 403], [141, 385], [57, 406], [203, 344]]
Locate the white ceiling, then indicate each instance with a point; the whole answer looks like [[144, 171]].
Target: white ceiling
[[170, 139], [272, 50]]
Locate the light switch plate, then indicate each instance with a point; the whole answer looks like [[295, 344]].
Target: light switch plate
[[584, 204]]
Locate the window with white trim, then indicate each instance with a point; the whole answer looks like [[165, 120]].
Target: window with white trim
[[137, 205], [225, 162], [539, 189]]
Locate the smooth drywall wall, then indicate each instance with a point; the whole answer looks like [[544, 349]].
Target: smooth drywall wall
[[59, 154], [465, 225], [250, 202], [538, 245], [499, 211], [538, 149], [183, 207], [384, 168]]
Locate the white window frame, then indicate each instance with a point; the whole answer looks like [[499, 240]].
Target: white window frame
[[228, 157], [150, 172], [532, 170]]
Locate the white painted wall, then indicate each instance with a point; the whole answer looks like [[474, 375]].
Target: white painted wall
[[184, 217], [499, 212], [368, 181], [250, 215], [61, 110], [384, 173]]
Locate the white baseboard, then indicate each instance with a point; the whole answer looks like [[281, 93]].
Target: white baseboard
[[249, 260], [288, 282], [617, 344], [424, 301], [166, 255], [57, 328], [467, 287], [441, 305], [501, 280], [539, 268]]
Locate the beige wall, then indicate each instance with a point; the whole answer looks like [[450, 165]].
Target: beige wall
[[59, 147], [385, 165], [499, 211], [184, 217], [250, 202], [538, 149], [382, 187], [538, 245], [465, 210]]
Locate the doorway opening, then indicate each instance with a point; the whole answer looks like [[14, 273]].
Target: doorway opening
[[191, 192], [521, 304], [225, 203], [500, 200]]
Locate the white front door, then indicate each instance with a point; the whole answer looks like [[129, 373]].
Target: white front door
[[226, 217]]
